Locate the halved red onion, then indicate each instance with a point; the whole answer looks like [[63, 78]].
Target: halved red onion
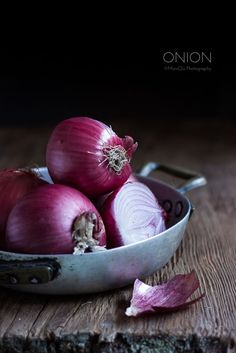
[[131, 178], [169, 296], [100, 200], [54, 219], [87, 154], [132, 214], [14, 184]]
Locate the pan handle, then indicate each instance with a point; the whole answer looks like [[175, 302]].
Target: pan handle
[[14, 272], [193, 179]]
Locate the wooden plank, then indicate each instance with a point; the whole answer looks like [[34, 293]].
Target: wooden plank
[[97, 322]]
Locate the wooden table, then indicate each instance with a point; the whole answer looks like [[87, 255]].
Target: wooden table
[[96, 323]]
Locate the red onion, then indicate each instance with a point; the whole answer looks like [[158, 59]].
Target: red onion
[[14, 183], [100, 200], [131, 179], [87, 154], [132, 214], [169, 296], [54, 219]]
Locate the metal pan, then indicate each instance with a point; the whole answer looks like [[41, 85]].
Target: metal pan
[[105, 270]]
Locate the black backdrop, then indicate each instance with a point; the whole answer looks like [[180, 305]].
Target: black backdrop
[[46, 86]]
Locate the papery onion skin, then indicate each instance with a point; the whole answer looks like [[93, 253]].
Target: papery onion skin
[[169, 296], [82, 152], [42, 221], [131, 214], [14, 184]]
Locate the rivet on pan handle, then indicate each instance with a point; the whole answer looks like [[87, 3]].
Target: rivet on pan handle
[[27, 272], [193, 179]]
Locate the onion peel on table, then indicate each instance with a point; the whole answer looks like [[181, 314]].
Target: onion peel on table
[[166, 297]]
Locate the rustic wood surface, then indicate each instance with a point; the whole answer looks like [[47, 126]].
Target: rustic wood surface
[[96, 323]]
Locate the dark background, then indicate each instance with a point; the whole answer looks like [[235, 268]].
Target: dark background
[[45, 86]]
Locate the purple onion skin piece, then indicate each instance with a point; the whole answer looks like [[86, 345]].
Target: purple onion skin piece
[[170, 296], [132, 214]]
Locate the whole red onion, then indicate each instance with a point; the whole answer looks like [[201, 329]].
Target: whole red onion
[[14, 184], [54, 219], [87, 154], [132, 214]]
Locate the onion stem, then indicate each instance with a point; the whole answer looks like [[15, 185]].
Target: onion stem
[[116, 157], [84, 228]]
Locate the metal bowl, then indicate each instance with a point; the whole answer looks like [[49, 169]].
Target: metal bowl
[[114, 268]]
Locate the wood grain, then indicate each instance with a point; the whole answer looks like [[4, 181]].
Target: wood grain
[[96, 323]]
